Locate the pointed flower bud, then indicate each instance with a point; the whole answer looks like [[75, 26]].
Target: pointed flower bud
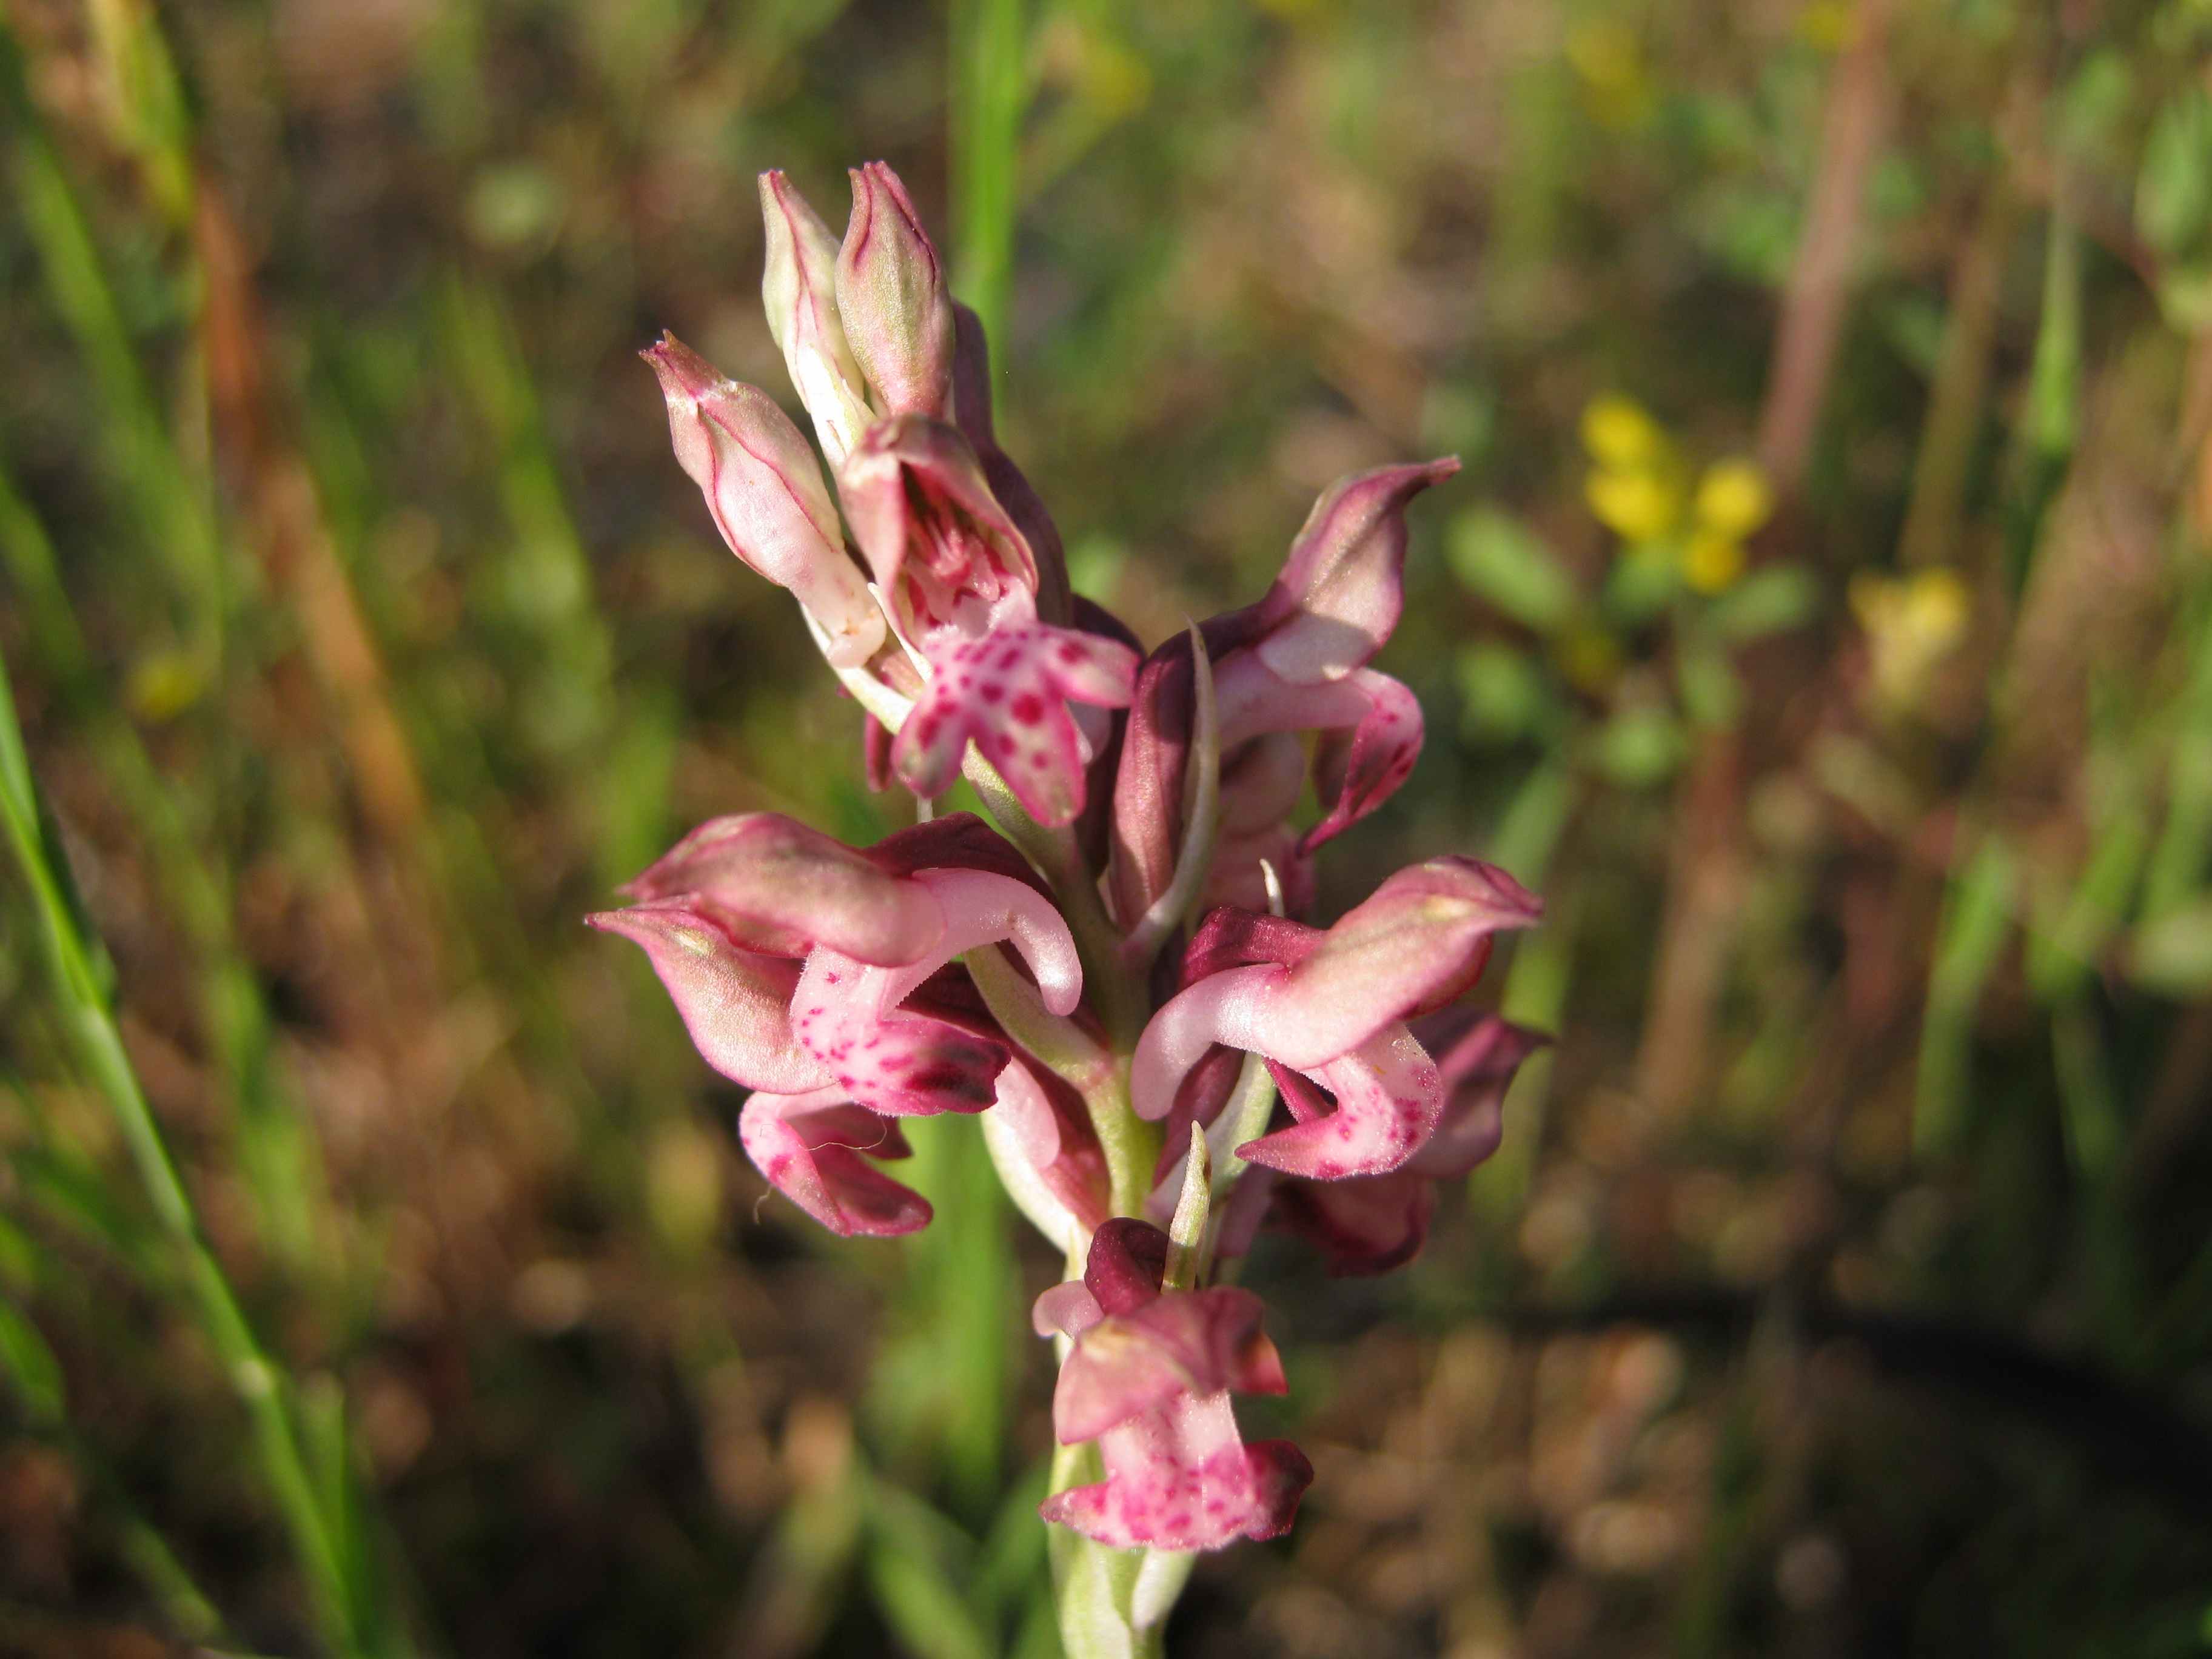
[[766, 495], [891, 295], [1149, 1379], [1327, 1011], [799, 288]]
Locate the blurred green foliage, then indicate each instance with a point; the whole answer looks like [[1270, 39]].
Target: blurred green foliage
[[1823, 620]]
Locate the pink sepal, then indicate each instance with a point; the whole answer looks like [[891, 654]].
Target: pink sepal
[[734, 1002]]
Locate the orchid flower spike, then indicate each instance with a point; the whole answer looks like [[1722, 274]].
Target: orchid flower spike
[[1328, 1010]]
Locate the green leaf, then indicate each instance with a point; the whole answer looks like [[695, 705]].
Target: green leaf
[[2173, 191], [1501, 693], [1496, 558], [2172, 955], [1712, 696], [1641, 746], [1643, 583], [1772, 599], [29, 1364]]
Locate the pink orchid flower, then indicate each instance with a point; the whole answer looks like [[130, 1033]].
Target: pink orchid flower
[[822, 977], [1149, 1379], [1328, 1010], [1295, 662]]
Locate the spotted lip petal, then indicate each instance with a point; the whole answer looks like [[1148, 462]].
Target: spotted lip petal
[[891, 295], [1008, 694], [907, 1060], [766, 496], [736, 1003], [810, 1146]]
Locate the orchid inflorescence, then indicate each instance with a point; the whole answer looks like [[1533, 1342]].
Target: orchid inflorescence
[[1116, 979]]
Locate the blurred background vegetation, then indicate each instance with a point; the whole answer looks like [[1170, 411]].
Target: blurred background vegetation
[[1823, 622]]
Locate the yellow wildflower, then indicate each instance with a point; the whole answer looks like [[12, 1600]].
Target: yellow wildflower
[[1620, 432], [1912, 624], [1733, 499], [1712, 561], [1637, 506]]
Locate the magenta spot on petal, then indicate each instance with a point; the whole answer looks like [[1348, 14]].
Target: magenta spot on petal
[[1027, 709], [991, 691], [1010, 661], [1070, 652]]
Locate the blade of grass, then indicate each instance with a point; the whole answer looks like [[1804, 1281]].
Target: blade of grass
[[1970, 940], [259, 1380]]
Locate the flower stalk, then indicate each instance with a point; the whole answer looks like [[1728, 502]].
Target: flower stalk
[[1116, 972]]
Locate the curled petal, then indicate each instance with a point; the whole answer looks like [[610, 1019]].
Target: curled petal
[[799, 288], [1008, 693], [1477, 1069], [891, 293], [779, 886], [735, 1002], [1366, 1225], [1372, 723], [810, 1146], [1342, 588], [1357, 769], [953, 841], [766, 496], [1390, 1100]]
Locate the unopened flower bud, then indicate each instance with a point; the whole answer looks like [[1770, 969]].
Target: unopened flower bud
[[891, 297], [799, 286], [766, 496]]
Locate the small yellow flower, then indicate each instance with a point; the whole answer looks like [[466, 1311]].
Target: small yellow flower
[[1912, 624], [1637, 506], [1712, 561], [1733, 499], [1620, 432]]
